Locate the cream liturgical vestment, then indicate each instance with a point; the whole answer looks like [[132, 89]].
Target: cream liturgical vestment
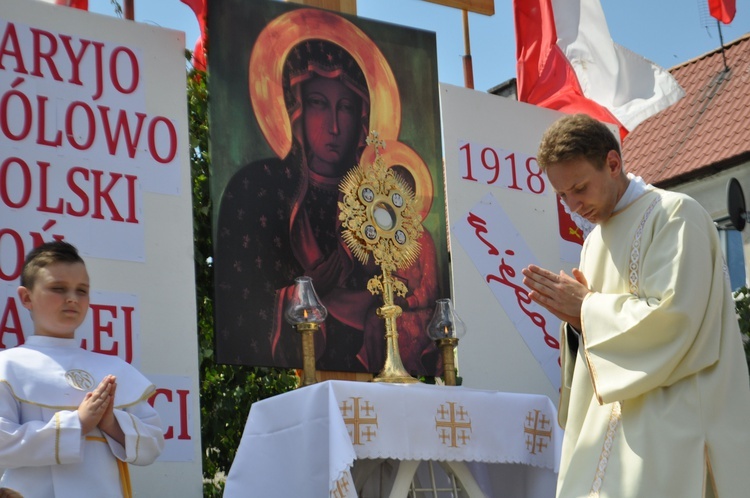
[[655, 400], [41, 385]]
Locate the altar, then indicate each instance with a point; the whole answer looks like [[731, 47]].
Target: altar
[[331, 438]]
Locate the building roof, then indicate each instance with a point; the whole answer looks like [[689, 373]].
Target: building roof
[[706, 131]]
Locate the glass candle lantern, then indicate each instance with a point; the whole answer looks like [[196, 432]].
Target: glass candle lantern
[[446, 328], [306, 313]]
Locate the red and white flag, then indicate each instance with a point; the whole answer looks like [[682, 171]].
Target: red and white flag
[[567, 61], [723, 10], [76, 4]]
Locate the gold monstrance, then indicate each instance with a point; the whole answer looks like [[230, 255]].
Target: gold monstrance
[[378, 217]]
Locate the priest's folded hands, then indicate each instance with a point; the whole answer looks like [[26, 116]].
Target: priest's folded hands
[[561, 294]]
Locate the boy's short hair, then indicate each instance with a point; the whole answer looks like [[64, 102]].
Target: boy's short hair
[[44, 255], [575, 136]]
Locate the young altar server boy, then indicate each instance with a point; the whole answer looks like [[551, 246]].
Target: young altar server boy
[[70, 420]]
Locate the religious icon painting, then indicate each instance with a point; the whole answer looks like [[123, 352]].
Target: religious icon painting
[[295, 92]]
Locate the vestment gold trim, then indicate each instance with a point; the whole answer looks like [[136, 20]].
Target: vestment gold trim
[[146, 394], [122, 468], [601, 469], [616, 414], [138, 435], [57, 438]]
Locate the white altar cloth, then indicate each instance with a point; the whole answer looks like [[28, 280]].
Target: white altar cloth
[[303, 443]]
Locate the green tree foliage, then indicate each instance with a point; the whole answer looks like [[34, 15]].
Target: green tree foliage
[[226, 391]]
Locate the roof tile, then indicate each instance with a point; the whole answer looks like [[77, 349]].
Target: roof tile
[[706, 129]]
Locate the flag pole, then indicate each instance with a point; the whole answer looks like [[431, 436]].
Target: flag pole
[[128, 9], [723, 50], [468, 69]]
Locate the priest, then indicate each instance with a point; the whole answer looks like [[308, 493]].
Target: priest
[[655, 391]]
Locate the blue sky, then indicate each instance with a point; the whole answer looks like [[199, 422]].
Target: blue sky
[[668, 32]]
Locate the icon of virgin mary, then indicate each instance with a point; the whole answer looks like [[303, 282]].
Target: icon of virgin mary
[[317, 86]]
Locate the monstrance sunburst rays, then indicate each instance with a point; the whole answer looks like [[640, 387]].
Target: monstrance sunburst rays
[[378, 217]]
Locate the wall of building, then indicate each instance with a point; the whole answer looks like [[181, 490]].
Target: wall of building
[[711, 193]]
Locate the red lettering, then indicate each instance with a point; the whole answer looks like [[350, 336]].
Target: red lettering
[[467, 148], [72, 138], [99, 194], [24, 189], [167, 393], [39, 54], [103, 194], [38, 239], [512, 158], [25, 119], [480, 227], [99, 70], [75, 58], [128, 322], [103, 328], [183, 411], [16, 239], [43, 205], [522, 298], [134, 70], [41, 129], [132, 182], [172, 152], [184, 434], [76, 189], [122, 127], [9, 46], [10, 314]]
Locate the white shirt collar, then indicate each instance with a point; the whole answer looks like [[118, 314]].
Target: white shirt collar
[[636, 188], [46, 341]]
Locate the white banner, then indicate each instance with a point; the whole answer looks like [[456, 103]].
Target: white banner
[[499, 252], [79, 144], [94, 150], [500, 202]]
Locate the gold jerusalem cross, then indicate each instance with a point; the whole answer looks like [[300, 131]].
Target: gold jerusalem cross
[[537, 437], [453, 424], [361, 426]]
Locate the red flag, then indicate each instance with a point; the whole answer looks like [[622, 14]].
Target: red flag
[[567, 61], [76, 4], [544, 75], [723, 10], [199, 52], [199, 9], [199, 55]]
